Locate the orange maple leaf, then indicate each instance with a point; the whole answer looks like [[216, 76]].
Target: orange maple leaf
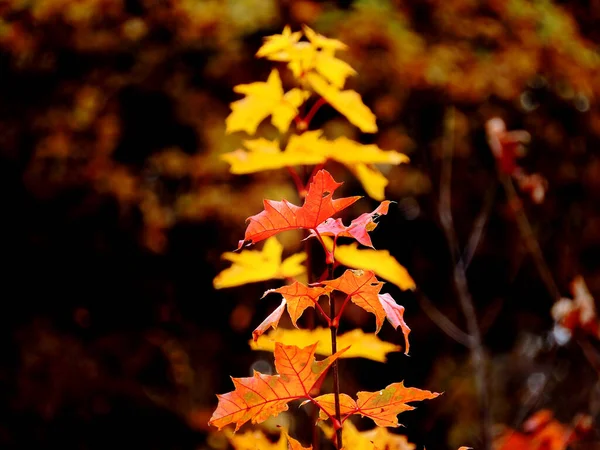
[[282, 215], [358, 228], [362, 288], [261, 396], [381, 406], [298, 297]]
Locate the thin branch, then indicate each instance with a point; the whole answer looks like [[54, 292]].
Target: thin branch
[[479, 226], [314, 110], [297, 181], [442, 321], [460, 282], [528, 236]]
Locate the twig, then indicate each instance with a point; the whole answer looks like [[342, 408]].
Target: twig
[[445, 324], [479, 226], [528, 237], [460, 283]]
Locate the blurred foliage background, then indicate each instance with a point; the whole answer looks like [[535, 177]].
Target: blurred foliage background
[[116, 207]]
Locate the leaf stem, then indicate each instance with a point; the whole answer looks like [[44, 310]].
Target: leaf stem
[[297, 181], [329, 259], [313, 110], [336, 319]]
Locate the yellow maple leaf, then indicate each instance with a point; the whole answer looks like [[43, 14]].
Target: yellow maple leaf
[[254, 440], [278, 43], [322, 42], [371, 179], [293, 443], [379, 261], [263, 154], [359, 158], [378, 438], [362, 345], [264, 99], [250, 266], [317, 54], [349, 152], [310, 148], [349, 103]]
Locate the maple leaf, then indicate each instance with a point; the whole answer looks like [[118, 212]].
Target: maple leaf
[[310, 148], [254, 439], [293, 443], [264, 99], [362, 288], [381, 406], [358, 228], [395, 315], [349, 103], [378, 438], [362, 345], [380, 262], [318, 54], [250, 266], [578, 313], [371, 179], [303, 149], [282, 215], [278, 43], [261, 396], [297, 297]]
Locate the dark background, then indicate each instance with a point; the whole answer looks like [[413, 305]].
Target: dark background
[[116, 207]]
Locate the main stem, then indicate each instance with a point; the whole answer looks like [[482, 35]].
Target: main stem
[[336, 374]]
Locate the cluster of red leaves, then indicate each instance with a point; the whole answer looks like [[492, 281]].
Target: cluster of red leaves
[[543, 432], [506, 147]]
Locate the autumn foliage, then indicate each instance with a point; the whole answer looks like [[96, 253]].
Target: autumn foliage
[[318, 72]]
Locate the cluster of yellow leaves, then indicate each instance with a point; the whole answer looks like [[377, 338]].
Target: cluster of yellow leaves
[[314, 65], [246, 269], [256, 439], [311, 148], [378, 438], [316, 70], [362, 345]]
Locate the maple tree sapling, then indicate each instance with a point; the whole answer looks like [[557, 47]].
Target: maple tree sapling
[[299, 375]]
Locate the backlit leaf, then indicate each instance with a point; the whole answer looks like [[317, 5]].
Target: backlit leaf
[[278, 43], [379, 261], [381, 406], [310, 148], [395, 315], [261, 396], [358, 228], [362, 345], [282, 215], [250, 266], [363, 288], [371, 179], [298, 297], [264, 99], [349, 103], [253, 440], [378, 438], [262, 154], [293, 443]]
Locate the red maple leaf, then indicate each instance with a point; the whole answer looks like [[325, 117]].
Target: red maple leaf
[[279, 216]]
